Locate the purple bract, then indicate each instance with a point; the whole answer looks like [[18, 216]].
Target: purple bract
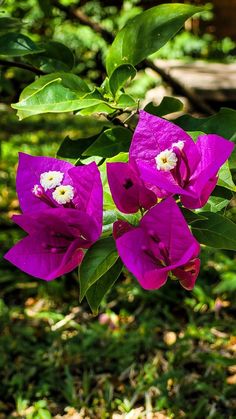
[[128, 190], [168, 158], [62, 214], [162, 243]]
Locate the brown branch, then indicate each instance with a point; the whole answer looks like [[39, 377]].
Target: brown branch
[[77, 14], [24, 66], [195, 99]]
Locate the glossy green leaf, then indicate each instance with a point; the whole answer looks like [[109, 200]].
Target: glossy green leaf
[[110, 142], [216, 204], [98, 290], [55, 57], [126, 101], [56, 92], [216, 231], [73, 149], [168, 105], [219, 199], [109, 217], [16, 45], [120, 76], [225, 177], [97, 261], [99, 107], [8, 24], [191, 216], [222, 123], [146, 33]]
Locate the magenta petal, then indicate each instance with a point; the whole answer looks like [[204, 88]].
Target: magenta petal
[[161, 243], [130, 247], [153, 135], [168, 222], [153, 280], [89, 192], [214, 151], [128, 190], [163, 180], [28, 174], [200, 201], [29, 256], [188, 274], [121, 227]]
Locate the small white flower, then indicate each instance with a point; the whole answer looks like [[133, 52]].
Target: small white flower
[[51, 179], [166, 160], [179, 145], [63, 194]]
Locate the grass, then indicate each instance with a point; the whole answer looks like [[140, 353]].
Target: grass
[[163, 354]]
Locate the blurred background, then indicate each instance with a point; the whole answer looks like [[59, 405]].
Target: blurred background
[[163, 354]]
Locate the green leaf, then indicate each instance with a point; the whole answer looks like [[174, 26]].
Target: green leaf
[[219, 199], [222, 123], [120, 76], [73, 149], [97, 261], [147, 33], [8, 24], [225, 178], [112, 215], [98, 106], [109, 217], [98, 290], [16, 45], [110, 142], [216, 231], [126, 101], [191, 216], [55, 57], [215, 204], [56, 92], [168, 105], [46, 7]]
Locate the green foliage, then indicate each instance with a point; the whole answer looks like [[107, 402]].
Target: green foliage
[[168, 105], [8, 24], [110, 143], [119, 77], [98, 259], [54, 57], [16, 44], [147, 33], [56, 357], [98, 290], [216, 231], [215, 124]]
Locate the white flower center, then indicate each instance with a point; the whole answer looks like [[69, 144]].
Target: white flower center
[[51, 179], [63, 194], [179, 145], [166, 160]]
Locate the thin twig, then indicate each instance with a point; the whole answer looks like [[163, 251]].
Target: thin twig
[[24, 66]]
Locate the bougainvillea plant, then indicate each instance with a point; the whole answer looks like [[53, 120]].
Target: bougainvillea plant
[[142, 193]]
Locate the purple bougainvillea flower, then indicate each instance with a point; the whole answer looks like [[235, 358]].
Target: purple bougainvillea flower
[[54, 243], [45, 182], [168, 158], [62, 214], [162, 243], [128, 190]]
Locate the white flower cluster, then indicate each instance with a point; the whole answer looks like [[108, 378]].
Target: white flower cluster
[[167, 159], [62, 194]]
